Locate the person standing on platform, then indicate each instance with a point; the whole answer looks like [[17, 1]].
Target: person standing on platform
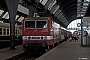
[[75, 36]]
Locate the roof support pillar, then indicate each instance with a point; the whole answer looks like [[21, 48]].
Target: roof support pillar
[[81, 31], [12, 10]]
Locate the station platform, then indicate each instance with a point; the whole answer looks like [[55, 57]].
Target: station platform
[[67, 51], [7, 53]]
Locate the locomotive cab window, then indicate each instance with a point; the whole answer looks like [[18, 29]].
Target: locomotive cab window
[[41, 24], [36, 24], [29, 24]]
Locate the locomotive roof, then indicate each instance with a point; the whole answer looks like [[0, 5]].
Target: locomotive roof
[[37, 18]]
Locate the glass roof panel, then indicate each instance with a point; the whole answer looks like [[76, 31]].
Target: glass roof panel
[[1, 11], [78, 15], [43, 1], [17, 16], [86, 0], [78, 4], [82, 6], [21, 18], [82, 15], [78, 0], [84, 10], [85, 4], [5, 15]]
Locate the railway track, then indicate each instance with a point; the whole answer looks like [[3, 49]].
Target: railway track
[[22, 56], [26, 56]]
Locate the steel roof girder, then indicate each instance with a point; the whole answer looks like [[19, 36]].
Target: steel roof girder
[[68, 3], [59, 15], [69, 8], [57, 12], [53, 8], [61, 19], [70, 15], [58, 7], [37, 1], [65, 22], [49, 4], [46, 5]]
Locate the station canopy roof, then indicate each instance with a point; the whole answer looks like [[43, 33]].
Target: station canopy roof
[[63, 11]]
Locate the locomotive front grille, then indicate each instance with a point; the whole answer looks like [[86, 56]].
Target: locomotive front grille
[[35, 38]]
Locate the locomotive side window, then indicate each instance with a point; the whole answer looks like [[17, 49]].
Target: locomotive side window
[[29, 24], [41, 24], [0, 31]]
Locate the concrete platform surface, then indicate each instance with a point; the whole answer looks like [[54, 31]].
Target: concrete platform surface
[[67, 51], [7, 53]]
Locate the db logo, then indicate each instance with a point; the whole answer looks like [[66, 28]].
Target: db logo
[[35, 30]]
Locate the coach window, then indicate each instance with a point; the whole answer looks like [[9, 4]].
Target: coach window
[[16, 32], [4, 31], [0, 31], [7, 31], [41, 24]]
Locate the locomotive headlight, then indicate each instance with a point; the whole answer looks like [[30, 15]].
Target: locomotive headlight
[[45, 37], [25, 37]]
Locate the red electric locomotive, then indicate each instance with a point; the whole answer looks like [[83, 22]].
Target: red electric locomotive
[[39, 32]]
